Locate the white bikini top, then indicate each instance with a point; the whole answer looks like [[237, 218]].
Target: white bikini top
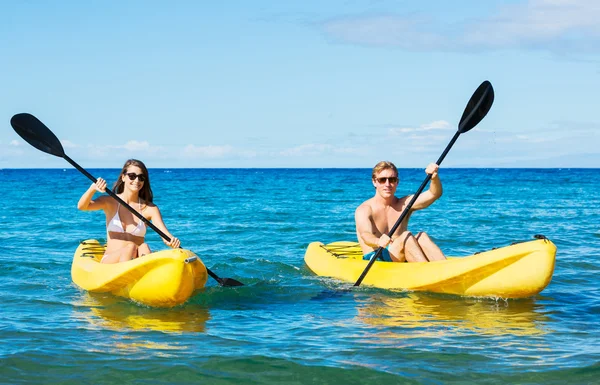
[[115, 225]]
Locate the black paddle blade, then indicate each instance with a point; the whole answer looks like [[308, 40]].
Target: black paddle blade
[[227, 282], [230, 282], [478, 106], [37, 134]]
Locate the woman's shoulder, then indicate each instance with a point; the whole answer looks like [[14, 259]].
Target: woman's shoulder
[[106, 203], [148, 205], [104, 199]]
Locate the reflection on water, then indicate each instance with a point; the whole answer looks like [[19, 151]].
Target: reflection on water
[[409, 315], [115, 313]]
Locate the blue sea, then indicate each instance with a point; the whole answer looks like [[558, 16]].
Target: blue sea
[[286, 325]]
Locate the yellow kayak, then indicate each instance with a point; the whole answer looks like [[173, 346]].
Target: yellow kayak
[[163, 279], [516, 271]]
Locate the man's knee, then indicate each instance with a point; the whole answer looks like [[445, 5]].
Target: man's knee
[[399, 243], [422, 235], [403, 237]]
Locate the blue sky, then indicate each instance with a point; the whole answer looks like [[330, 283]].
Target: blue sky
[[302, 84]]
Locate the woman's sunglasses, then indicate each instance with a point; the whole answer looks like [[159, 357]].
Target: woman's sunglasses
[[391, 179], [133, 175]]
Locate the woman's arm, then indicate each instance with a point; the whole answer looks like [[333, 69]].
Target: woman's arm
[[86, 203], [156, 218]]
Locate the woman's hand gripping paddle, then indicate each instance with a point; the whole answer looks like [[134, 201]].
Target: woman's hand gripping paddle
[[39, 136], [478, 106]]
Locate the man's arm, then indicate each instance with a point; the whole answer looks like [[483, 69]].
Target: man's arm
[[435, 189]]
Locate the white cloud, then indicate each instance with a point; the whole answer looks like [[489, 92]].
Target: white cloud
[[207, 151], [435, 125], [318, 149], [68, 144], [554, 25], [384, 31], [349, 150], [134, 145], [550, 23], [131, 148], [537, 138], [307, 149], [14, 143], [143, 147]]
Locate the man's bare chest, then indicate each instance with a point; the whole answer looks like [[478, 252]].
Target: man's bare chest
[[384, 219]]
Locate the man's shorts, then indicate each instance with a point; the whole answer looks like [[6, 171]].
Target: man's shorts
[[385, 254]]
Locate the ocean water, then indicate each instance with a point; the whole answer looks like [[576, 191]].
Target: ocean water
[[287, 326]]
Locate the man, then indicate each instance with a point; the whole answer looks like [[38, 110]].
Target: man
[[376, 216]]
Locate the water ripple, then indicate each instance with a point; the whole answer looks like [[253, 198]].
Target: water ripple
[[287, 325]]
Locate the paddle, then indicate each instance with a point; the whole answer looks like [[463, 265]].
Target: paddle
[[478, 106], [39, 136]]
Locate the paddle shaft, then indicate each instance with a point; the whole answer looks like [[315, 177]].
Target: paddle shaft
[[121, 201], [133, 211], [34, 132], [406, 210]]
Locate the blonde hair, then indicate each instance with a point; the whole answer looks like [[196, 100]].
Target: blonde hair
[[383, 165]]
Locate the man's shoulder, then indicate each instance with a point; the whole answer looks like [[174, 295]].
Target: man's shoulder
[[365, 207], [401, 200]]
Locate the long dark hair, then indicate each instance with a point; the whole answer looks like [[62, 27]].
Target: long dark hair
[[146, 191]]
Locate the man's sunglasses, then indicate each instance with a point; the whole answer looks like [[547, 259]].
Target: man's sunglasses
[[391, 179], [133, 175]]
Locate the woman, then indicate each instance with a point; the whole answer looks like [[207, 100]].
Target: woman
[[125, 232]]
